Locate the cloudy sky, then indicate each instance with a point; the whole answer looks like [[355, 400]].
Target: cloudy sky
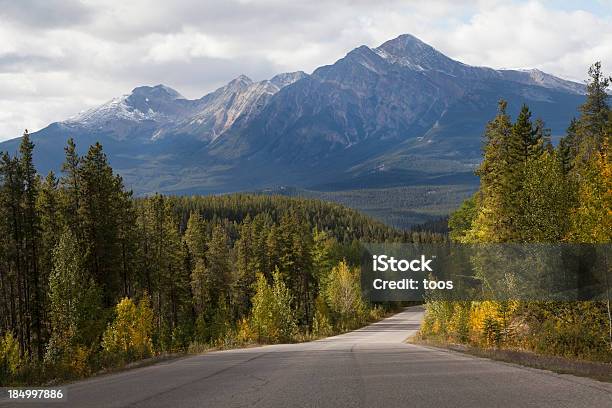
[[58, 57]]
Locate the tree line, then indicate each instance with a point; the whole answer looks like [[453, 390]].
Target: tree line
[[530, 192], [92, 277]]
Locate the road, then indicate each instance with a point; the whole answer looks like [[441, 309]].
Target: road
[[370, 367]]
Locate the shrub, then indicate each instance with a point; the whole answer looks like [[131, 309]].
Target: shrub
[[272, 318], [321, 325], [10, 361], [245, 333], [129, 335], [343, 295]]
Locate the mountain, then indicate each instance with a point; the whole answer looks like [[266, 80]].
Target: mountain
[[395, 115], [154, 125], [217, 112], [399, 114]]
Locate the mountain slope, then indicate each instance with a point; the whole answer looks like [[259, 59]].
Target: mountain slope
[[399, 114]]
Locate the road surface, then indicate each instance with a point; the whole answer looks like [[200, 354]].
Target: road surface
[[370, 367]]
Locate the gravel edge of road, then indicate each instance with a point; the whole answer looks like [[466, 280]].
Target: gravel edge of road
[[593, 370]]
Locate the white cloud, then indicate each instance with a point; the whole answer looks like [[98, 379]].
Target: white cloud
[[60, 57], [531, 35]]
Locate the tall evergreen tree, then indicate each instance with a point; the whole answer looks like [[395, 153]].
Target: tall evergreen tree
[[246, 269], [195, 236], [594, 113], [71, 189], [491, 223], [568, 146], [218, 266], [100, 195]]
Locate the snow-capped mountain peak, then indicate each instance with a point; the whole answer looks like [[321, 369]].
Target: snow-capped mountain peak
[[287, 78], [158, 104]]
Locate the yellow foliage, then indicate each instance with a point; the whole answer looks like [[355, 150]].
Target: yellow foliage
[[80, 361], [130, 333], [245, 332], [592, 220], [9, 354]]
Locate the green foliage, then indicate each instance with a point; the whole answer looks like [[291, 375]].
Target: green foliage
[[342, 292], [594, 123], [10, 361], [401, 207], [491, 331], [460, 221], [195, 236], [321, 325], [74, 302], [568, 329], [544, 200], [591, 220], [272, 318]]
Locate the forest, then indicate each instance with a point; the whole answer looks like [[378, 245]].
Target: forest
[[532, 192], [92, 278]]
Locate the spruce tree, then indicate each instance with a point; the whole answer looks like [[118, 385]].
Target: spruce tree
[[100, 193], [593, 123], [492, 223], [595, 111], [218, 267], [245, 268], [195, 236], [32, 239], [71, 189]]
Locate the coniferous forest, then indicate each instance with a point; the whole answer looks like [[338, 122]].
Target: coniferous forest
[[532, 192], [93, 278]]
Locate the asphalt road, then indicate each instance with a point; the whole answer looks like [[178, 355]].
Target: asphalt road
[[370, 367]]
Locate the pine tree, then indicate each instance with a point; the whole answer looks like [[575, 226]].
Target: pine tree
[[50, 218], [200, 287], [127, 239], [522, 137], [322, 254], [71, 189], [32, 240], [195, 236], [218, 267], [15, 283], [567, 149], [245, 268], [545, 200], [492, 224], [594, 114], [100, 194]]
